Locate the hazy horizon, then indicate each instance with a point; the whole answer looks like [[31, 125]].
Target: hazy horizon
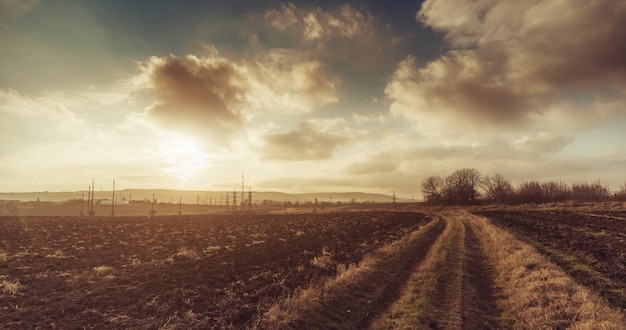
[[309, 96]]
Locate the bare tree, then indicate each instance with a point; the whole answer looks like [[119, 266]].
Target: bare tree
[[555, 191], [497, 188], [432, 189], [530, 192], [461, 186], [590, 192]]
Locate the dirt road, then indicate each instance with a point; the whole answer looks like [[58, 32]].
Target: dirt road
[[459, 272]]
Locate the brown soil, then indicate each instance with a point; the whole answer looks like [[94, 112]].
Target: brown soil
[[196, 272]]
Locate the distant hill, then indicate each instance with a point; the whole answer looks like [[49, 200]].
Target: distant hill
[[198, 196]]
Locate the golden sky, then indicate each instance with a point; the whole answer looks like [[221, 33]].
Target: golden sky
[[308, 96]]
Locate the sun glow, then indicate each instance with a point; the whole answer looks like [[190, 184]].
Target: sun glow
[[183, 157]]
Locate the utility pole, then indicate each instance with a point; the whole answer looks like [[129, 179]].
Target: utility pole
[[242, 194], [89, 200], [152, 210], [249, 197], [234, 199], [113, 199], [93, 187], [394, 197], [180, 204], [82, 197]]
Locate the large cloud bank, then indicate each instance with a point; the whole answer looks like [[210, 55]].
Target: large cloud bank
[[515, 64]]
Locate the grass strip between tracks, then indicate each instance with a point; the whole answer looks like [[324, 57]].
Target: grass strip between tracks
[[431, 298], [534, 292], [360, 293]]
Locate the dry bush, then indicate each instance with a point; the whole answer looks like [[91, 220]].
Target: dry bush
[[537, 294], [11, 287], [324, 261]]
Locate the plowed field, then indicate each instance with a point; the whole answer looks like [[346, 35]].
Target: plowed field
[[196, 272], [591, 247]]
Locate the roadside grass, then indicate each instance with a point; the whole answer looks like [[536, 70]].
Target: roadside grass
[[534, 292], [580, 266], [580, 270], [432, 295], [346, 300]]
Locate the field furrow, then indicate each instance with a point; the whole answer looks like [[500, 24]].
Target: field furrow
[[478, 304], [197, 272]]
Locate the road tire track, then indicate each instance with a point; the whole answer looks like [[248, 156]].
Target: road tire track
[[478, 305], [431, 298], [453, 288]]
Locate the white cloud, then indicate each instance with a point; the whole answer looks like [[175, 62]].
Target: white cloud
[[512, 63], [340, 33], [214, 95]]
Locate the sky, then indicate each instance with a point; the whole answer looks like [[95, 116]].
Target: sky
[[309, 96]]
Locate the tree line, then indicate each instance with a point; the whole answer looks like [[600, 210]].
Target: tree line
[[468, 186]]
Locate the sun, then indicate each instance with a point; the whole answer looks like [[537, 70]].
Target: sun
[[183, 157]]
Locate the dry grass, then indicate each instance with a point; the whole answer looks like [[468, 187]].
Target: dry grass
[[11, 287], [432, 296], [58, 254], [349, 281], [536, 294], [324, 261], [186, 253], [102, 270]]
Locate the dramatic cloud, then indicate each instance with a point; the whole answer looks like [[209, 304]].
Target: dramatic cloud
[[201, 95], [510, 62], [214, 95], [305, 143], [317, 24], [349, 35]]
